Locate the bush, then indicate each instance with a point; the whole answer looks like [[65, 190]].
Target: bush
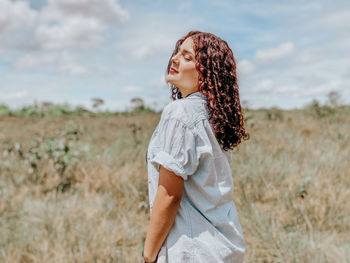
[[4, 110], [62, 152], [320, 111]]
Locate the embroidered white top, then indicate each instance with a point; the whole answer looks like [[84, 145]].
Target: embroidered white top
[[206, 227]]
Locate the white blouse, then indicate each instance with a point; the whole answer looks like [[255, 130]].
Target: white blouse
[[206, 227]]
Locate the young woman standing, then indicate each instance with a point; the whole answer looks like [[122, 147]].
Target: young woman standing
[[193, 215]]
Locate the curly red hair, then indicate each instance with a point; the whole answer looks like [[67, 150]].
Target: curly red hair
[[216, 68]]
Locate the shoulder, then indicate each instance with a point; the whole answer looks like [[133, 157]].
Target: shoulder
[[187, 111], [175, 110]]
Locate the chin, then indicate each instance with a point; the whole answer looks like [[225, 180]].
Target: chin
[[170, 80]]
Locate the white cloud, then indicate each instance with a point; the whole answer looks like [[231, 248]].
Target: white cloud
[[33, 62], [66, 63], [156, 36], [61, 62], [185, 5], [79, 23], [337, 20], [71, 32], [142, 52], [131, 90], [158, 83], [153, 43], [62, 23], [13, 95], [265, 85], [245, 67], [14, 15], [304, 58], [273, 54], [108, 11]]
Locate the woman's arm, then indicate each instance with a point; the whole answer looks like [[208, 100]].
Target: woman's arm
[[165, 206]]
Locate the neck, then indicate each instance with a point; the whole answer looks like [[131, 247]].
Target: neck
[[185, 93]]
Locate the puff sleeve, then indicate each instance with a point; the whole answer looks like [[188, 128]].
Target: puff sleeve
[[175, 148]]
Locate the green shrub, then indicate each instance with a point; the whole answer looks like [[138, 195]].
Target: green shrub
[[4, 110]]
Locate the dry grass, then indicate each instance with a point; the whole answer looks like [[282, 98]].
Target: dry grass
[[292, 188]]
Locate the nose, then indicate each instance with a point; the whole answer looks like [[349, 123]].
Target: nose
[[174, 59]]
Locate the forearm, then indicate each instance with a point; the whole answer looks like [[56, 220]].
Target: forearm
[[164, 211]]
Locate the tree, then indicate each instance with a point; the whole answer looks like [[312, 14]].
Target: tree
[[97, 102], [334, 98], [137, 103]]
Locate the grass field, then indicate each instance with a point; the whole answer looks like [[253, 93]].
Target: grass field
[[73, 187]]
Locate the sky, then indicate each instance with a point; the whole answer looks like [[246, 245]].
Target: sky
[[62, 51]]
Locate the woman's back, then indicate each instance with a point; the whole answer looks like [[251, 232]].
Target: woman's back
[[206, 227]]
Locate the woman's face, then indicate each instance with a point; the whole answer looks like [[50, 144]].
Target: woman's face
[[183, 73]]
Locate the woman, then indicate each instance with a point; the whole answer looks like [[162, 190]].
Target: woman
[[193, 216]]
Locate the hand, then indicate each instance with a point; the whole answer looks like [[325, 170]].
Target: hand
[[149, 259]]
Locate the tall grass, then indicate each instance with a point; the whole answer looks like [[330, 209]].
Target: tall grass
[[73, 188]]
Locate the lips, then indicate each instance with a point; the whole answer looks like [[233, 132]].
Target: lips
[[173, 70]]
